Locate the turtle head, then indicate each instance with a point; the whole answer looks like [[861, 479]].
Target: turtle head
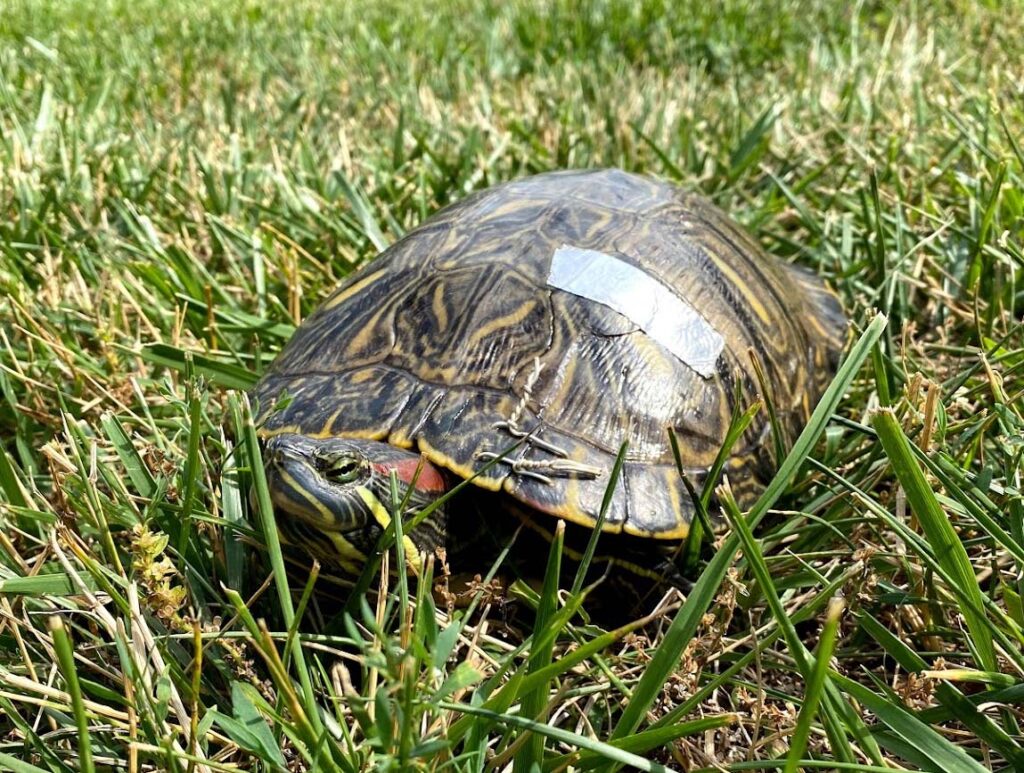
[[333, 495]]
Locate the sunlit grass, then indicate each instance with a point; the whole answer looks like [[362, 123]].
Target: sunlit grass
[[180, 182]]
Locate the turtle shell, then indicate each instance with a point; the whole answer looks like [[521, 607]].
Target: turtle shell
[[455, 342]]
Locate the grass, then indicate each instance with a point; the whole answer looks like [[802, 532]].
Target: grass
[[180, 182]]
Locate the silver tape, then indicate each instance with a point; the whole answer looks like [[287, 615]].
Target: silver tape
[[642, 299]]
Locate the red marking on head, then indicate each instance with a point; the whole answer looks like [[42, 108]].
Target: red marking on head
[[430, 480]]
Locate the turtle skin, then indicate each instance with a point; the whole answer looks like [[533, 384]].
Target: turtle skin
[[452, 343]]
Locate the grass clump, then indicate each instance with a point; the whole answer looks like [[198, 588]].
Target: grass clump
[[180, 182]]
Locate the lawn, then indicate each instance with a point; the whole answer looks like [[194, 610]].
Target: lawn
[[182, 181]]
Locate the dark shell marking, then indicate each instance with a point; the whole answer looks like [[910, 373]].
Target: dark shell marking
[[438, 339]]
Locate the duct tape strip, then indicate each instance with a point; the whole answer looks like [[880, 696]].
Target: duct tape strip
[[642, 299]]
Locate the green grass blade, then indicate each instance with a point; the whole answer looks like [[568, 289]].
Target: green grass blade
[[222, 374], [975, 501], [934, 752], [138, 472], [609, 752], [588, 554], [66, 659], [738, 424], [815, 688], [651, 740], [361, 208], [14, 765], [686, 621], [535, 701], [42, 585], [191, 470], [234, 517], [10, 482], [836, 716], [265, 512], [948, 549]]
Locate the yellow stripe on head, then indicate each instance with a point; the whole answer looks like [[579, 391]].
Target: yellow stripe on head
[[351, 558], [314, 503], [383, 517]]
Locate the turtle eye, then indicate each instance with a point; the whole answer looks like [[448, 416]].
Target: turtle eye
[[342, 469]]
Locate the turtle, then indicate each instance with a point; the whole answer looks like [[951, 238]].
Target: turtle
[[521, 338]]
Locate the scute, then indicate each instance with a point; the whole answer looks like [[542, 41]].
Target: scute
[[451, 341]]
